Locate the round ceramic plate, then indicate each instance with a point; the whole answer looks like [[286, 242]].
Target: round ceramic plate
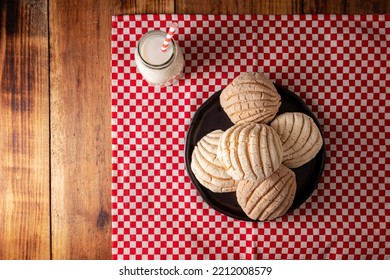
[[210, 116]]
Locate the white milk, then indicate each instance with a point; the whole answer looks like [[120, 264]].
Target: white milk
[[158, 67], [151, 52]]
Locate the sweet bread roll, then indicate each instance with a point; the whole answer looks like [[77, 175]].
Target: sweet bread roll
[[300, 136], [250, 97], [250, 151], [207, 168], [268, 199]]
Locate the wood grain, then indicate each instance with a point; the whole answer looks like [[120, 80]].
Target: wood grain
[[144, 7], [367, 7], [80, 129], [24, 137], [346, 7], [239, 7]]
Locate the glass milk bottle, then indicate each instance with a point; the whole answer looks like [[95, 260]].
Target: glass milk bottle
[[158, 67]]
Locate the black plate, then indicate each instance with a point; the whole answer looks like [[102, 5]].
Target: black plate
[[210, 116]]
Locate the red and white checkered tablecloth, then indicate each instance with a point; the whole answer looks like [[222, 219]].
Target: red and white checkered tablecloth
[[338, 64]]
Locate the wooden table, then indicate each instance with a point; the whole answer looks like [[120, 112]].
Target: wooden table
[[55, 107]]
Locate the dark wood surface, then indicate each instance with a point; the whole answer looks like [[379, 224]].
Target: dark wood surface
[[24, 131], [55, 133]]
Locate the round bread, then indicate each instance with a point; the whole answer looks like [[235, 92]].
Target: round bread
[[300, 136], [250, 151], [250, 97], [207, 168], [268, 199]]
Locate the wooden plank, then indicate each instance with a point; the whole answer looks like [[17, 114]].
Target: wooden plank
[[24, 136], [239, 7], [144, 7], [323, 7], [367, 7], [80, 129], [346, 7]]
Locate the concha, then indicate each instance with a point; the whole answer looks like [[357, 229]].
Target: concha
[[250, 151], [268, 199], [206, 166], [250, 97], [300, 136]]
